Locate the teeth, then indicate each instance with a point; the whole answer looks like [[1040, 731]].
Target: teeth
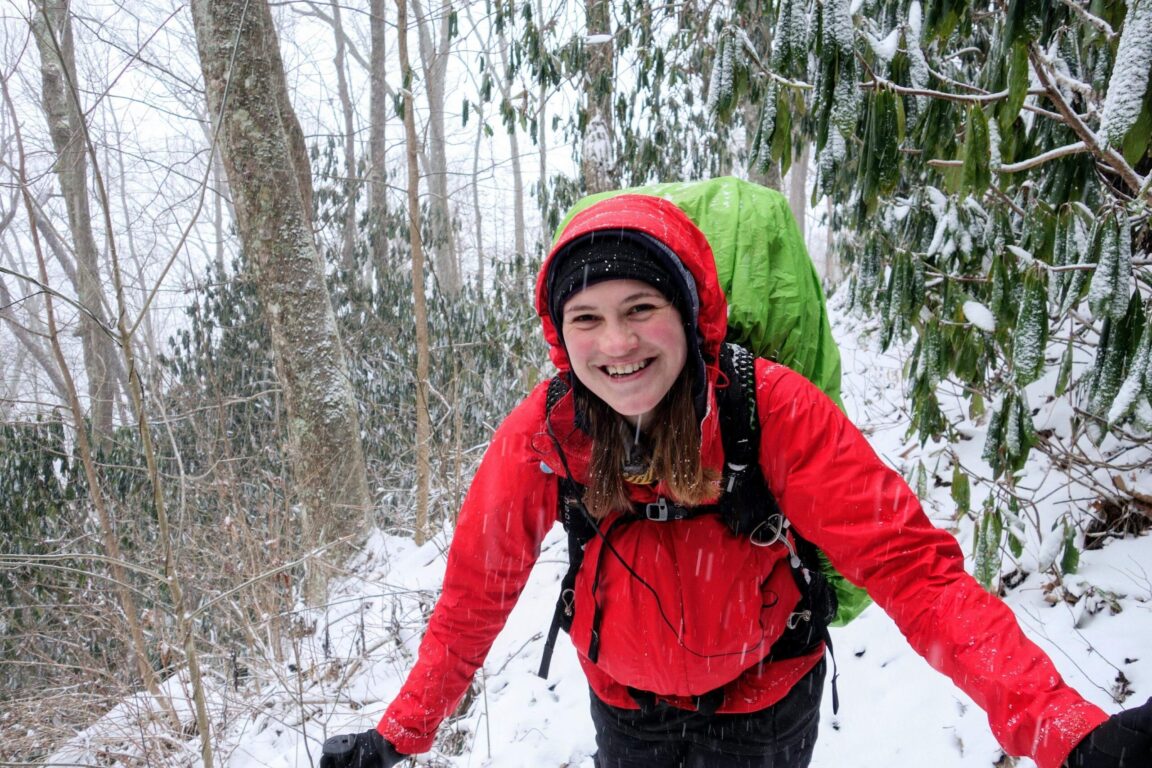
[[624, 370]]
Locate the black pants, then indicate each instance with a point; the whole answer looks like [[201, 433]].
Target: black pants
[[781, 736]]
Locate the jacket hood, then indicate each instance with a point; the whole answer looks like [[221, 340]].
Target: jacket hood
[[664, 221]]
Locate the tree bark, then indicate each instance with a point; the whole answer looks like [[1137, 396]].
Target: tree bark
[[434, 58], [265, 157], [351, 183], [597, 160], [423, 425], [377, 135], [518, 220], [53, 28], [798, 188]]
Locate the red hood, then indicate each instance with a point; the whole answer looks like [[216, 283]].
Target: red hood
[[664, 221]]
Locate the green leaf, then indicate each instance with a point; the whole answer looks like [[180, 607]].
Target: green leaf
[[1064, 377], [1136, 142], [941, 17], [977, 175], [987, 558], [888, 135], [1008, 110], [1031, 334], [781, 148], [994, 449], [1117, 347], [1070, 559], [1111, 283], [961, 489]]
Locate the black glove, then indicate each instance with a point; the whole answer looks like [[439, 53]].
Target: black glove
[[1122, 741], [359, 750]]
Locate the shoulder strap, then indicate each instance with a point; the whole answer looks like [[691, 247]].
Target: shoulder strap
[[739, 425], [748, 508], [748, 502], [579, 526]]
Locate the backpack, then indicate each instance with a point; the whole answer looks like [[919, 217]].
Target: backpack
[[776, 305]]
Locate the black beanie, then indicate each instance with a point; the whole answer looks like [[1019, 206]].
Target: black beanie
[[615, 255]]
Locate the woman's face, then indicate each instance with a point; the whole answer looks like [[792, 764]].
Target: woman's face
[[625, 341]]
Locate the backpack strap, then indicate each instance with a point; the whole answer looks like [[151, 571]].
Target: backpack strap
[[752, 509], [580, 527]]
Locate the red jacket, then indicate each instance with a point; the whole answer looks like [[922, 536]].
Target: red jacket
[[708, 605]]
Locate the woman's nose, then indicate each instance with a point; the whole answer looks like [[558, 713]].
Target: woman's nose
[[617, 338]]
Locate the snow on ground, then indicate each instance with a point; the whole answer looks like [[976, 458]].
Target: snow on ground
[[895, 710]]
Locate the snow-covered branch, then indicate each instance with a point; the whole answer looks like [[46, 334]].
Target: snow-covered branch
[[878, 83], [1094, 21], [1112, 158], [754, 57], [1052, 154]]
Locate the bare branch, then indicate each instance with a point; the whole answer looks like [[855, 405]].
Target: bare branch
[[878, 83]]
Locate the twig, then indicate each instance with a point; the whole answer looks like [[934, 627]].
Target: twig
[[1070, 149], [976, 98]]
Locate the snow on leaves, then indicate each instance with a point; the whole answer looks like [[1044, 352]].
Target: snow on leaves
[[1109, 291], [729, 72], [1129, 82]]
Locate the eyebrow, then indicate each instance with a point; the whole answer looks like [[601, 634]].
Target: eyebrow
[[642, 294]]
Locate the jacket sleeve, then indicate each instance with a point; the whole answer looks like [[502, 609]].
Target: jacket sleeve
[[509, 508], [838, 494]]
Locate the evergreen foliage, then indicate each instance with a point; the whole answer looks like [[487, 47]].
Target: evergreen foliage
[[987, 162], [485, 356], [57, 590]]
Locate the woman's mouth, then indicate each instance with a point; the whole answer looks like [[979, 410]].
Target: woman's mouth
[[626, 369]]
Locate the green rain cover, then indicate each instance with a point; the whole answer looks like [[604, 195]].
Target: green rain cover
[[775, 302]]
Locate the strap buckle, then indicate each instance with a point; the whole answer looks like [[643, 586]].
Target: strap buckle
[[658, 510]]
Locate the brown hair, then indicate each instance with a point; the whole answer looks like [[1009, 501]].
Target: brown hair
[[673, 438]]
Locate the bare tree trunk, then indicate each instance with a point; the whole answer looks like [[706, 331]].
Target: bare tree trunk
[[351, 185], [598, 161], [267, 164], [542, 138], [53, 27], [798, 188], [377, 143], [514, 146], [423, 427], [478, 208], [434, 56]]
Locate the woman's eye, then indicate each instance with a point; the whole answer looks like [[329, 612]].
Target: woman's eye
[[642, 310], [582, 320]]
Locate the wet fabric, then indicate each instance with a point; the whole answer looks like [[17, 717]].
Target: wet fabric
[[781, 736]]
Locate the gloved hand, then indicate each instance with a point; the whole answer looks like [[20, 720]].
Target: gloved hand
[[359, 750], [1122, 741]]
